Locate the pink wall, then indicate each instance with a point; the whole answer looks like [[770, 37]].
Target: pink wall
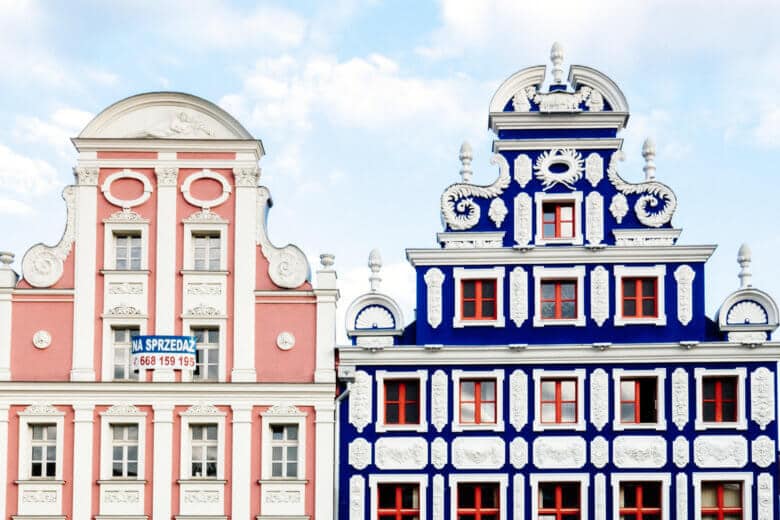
[[299, 317], [29, 363]]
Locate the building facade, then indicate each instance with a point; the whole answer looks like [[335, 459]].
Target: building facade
[[166, 235], [561, 364]]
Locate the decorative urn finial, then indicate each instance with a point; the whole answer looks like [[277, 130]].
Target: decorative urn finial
[[6, 259], [744, 257], [465, 156], [375, 264], [556, 57], [327, 260], [648, 152]]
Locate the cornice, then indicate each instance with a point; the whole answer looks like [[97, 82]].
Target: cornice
[[559, 354], [498, 121], [508, 145], [89, 144], [560, 255]]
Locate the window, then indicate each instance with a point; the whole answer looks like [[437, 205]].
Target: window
[[639, 399], [477, 401], [398, 501], [558, 401], [721, 501], [402, 401], [559, 299], [719, 399], [43, 460], [206, 354], [124, 450], [127, 251], [639, 295], [203, 454], [478, 299], [284, 451], [206, 252], [559, 501], [559, 296], [558, 220], [123, 369], [640, 298], [640, 501], [478, 501]]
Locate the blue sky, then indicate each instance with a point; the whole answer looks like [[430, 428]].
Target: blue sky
[[362, 107]]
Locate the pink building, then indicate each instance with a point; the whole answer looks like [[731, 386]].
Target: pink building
[[165, 235]]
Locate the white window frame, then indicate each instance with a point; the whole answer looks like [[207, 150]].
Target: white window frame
[[498, 376], [539, 478], [741, 374], [664, 478], [574, 198], [26, 421], [397, 478], [185, 465], [188, 324], [191, 230], [106, 443], [495, 273], [384, 375], [297, 418], [479, 478], [654, 271], [112, 229], [577, 374], [109, 324], [747, 489], [660, 375], [542, 274]]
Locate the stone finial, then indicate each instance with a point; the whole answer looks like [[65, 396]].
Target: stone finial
[[744, 257], [465, 156], [375, 264], [327, 260], [6, 259], [648, 152], [556, 57]]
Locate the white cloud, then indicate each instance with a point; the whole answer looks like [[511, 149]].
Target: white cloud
[[14, 207], [56, 132], [767, 130], [369, 93], [25, 176]]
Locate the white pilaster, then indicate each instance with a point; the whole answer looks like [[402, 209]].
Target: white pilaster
[[324, 423], [83, 435], [327, 294], [242, 464], [82, 368], [165, 269], [5, 334], [3, 460], [162, 469], [245, 259]]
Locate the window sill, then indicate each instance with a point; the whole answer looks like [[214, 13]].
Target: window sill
[[471, 427], [658, 426], [124, 271], [579, 321], [460, 323], [122, 480], [204, 272], [283, 481], [201, 480], [53, 480], [420, 428], [660, 321], [736, 425], [572, 427]]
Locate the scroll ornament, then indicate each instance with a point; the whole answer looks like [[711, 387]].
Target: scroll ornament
[[651, 193], [458, 208]]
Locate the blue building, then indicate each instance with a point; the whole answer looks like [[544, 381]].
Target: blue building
[[560, 364]]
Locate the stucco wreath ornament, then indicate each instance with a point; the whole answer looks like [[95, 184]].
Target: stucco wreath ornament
[[568, 158]]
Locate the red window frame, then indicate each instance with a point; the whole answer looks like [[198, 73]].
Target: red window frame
[[639, 297], [558, 299], [557, 219], [558, 401], [478, 401], [721, 510], [559, 511], [640, 509], [636, 402], [402, 400], [478, 299], [478, 510], [398, 512], [719, 400]]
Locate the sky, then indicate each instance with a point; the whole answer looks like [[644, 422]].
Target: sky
[[363, 105]]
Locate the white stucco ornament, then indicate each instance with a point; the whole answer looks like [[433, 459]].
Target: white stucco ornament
[[287, 265], [458, 208], [359, 453], [127, 203], [559, 166], [285, 340], [651, 194], [42, 339]]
